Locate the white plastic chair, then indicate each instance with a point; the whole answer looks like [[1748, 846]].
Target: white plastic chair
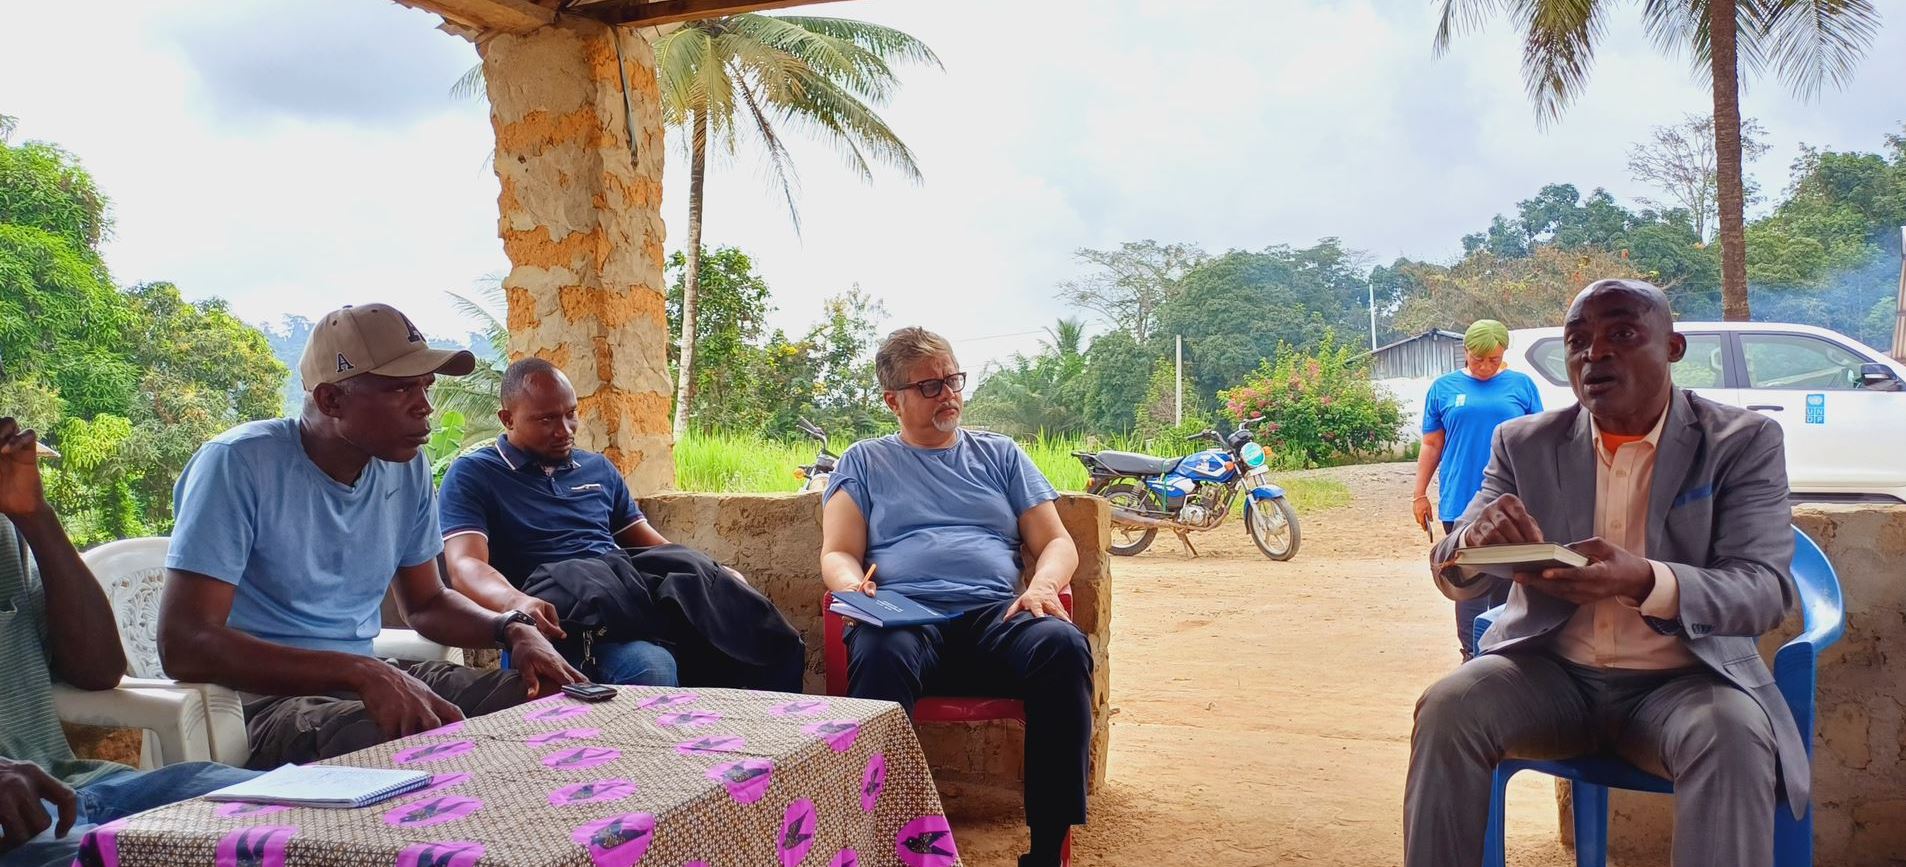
[[207, 720]]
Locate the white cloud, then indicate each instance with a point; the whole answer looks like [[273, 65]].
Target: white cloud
[[294, 156]]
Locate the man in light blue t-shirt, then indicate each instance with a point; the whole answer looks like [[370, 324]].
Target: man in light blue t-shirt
[[940, 514], [290, 531]]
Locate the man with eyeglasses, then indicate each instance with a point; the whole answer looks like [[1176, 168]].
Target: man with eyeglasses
[[940, 514]]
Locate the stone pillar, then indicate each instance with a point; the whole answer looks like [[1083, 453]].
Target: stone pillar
[[580, 218]]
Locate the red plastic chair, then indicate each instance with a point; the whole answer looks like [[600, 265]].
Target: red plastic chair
[[929, 709]]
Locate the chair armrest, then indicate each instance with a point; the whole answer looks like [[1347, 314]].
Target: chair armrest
[[175, 716], [224, 711], [407, 644]]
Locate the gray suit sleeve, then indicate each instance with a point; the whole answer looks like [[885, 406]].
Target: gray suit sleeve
[[1497, 479], [1746, 587]]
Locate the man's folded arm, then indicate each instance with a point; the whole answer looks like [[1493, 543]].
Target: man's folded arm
[[1497, 479], [1744, 588], [196, 646]]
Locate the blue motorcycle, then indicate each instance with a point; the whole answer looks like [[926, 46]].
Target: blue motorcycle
[[1193, 493]]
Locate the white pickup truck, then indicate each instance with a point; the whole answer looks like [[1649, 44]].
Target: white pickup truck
[[1841, 403]]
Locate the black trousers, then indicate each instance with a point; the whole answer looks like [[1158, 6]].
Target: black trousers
[[306, 728], [1043, 662]]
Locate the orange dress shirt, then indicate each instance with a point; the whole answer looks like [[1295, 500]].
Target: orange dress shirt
[[1611, 633]]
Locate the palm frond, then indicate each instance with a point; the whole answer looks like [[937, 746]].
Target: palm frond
[[470, 85], [780, 163], [1558, 49], [1811, 42], [881, 41], [1462, 16]]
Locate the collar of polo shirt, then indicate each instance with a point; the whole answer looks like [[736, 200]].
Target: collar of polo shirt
[[520, 460]]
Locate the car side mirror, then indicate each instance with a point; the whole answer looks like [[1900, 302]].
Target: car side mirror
[[1878, 377]]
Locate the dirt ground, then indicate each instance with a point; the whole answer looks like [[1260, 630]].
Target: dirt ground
[[1261, 710]]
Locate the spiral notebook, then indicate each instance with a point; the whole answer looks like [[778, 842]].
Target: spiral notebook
[[326, 786]]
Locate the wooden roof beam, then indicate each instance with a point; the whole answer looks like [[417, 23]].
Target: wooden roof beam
[[496, 16], [659, 12]]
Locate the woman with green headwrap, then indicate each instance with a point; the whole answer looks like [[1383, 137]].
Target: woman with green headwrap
[[1460, 416]]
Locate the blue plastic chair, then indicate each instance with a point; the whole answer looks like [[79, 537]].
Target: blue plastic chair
[[1823, 614]]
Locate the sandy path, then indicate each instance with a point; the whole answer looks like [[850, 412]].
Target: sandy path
[[1262, 710]]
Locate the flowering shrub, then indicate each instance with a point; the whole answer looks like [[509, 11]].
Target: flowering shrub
[[1320, 409]]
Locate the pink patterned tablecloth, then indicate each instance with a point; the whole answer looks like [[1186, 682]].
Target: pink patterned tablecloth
[[657, 777]]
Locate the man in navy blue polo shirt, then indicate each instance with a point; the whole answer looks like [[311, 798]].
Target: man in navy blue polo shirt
[[534, 498]]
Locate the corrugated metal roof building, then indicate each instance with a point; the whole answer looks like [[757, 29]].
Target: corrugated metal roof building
[[1425, 356]]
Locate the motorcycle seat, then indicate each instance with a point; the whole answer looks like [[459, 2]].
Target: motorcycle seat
[[1133, 463]]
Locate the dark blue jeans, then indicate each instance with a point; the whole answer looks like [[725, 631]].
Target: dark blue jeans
[[1043, 662], [117, 796], [1468, 609]]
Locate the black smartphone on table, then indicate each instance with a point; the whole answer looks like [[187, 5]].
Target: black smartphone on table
[[589, 691]]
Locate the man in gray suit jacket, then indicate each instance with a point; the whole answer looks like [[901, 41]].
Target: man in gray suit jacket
[[1648, 653]]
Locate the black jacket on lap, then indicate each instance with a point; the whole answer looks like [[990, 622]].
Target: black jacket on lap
[[722, 632]]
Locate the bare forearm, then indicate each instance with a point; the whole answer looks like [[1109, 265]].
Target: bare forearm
[[1426, 463], [81, 629], [1056, 563], [452, 619], [225, 656], [841, 571], [483, 584]]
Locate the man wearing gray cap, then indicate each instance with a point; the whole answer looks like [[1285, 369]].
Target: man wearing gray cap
[[288, 533]]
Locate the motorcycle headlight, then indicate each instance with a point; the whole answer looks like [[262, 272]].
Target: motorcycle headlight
[[1253, 455]]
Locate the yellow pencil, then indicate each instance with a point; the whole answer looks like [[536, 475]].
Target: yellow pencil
[[870, 574]]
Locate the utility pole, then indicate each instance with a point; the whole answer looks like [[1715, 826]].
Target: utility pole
[[1899, 316], [1178, 405], [1373, 316]]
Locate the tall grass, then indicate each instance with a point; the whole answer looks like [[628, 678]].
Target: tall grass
[[746, 463], [726, 463]]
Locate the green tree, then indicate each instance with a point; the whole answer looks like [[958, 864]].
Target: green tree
[[1235, 309], [1320, 407], [1525, 292], [126, 384], [1117, 369], [757, 75], [1678, 159], [1662, 247], [730, 316], [1808, 42], [1128, 285], [1043, 394], [1156, 418]]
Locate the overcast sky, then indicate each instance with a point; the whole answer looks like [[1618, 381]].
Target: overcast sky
[[292, 156]]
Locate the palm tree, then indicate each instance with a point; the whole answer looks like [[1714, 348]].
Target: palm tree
[[1806, 42], [755, 75], [477, 396]]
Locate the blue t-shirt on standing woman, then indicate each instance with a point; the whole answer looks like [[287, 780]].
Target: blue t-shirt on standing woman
[[1468, 410]]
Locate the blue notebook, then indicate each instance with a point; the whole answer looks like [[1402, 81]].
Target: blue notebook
[[885, 608]]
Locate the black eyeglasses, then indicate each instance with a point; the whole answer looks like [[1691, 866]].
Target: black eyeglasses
[[932, 388]]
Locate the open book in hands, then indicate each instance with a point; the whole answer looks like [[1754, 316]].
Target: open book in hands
[[1503, 561]]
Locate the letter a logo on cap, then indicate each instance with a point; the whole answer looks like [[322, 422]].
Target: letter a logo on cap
[[414, 335], [344, 364]]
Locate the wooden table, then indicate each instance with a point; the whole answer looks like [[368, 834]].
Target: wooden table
[[668, 777]]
